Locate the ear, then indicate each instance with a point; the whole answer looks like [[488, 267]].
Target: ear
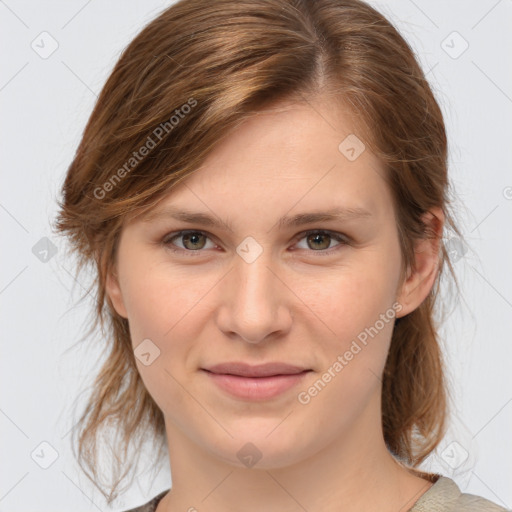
[[419, 282], [114, 293]]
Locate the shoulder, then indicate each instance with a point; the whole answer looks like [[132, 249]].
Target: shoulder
[[445, 496], [151, 505]]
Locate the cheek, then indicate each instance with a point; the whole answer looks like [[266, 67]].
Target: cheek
[[348, 300], [166, 305], [355, 303], [358, 308], [159, 298], [160, 304]]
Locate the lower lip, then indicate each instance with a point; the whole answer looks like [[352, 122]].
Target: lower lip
[[256, 388]]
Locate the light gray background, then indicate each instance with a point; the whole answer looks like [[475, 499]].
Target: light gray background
[[45, 103]]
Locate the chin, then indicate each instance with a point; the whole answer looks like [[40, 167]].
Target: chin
[[264, 448]]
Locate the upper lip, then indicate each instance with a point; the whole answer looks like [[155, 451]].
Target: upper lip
[[260, 370]]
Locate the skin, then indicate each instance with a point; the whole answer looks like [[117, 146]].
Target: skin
[[292, 304]]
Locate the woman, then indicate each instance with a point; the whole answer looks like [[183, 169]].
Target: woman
[[262, 188]]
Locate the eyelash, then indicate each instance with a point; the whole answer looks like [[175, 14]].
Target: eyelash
[[342, 239]]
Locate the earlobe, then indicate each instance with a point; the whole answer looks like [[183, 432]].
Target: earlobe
[[114, 294], [420, 280]]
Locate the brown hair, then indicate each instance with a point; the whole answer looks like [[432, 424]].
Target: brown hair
[[192, 75]]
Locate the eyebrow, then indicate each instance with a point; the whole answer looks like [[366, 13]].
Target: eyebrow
[[205, 219]]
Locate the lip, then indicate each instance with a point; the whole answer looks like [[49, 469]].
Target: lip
[[259, 382], [260, 370]]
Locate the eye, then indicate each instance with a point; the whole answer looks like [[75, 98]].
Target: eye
[[320, 240], [193, 241]]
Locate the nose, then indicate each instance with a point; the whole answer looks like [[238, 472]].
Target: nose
[[255, 302]]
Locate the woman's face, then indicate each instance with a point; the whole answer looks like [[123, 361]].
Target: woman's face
[[263, 290]]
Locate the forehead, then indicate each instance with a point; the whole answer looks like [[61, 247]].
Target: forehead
[[289, 156]]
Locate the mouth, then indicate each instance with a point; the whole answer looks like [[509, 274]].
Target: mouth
[[259, 382]]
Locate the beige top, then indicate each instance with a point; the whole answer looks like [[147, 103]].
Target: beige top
[[443, 496]]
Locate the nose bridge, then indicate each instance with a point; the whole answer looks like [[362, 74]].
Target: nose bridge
[[254, 307], [255, 281]]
